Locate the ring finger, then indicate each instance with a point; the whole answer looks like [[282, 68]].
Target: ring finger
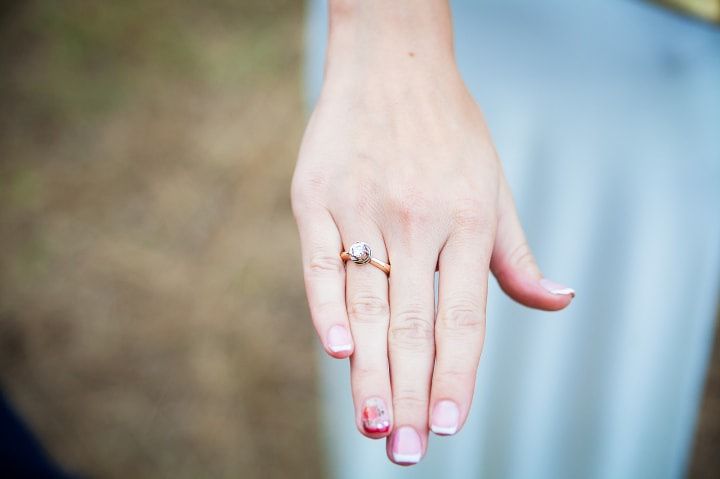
[[369, 315]]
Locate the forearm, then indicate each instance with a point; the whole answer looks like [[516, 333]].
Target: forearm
[[375, 36]]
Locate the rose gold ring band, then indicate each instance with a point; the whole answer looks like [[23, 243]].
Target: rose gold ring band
[[384, 267]]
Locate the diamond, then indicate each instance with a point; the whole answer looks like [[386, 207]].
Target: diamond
[[360, 252]]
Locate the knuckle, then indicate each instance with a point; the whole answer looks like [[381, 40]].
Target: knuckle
[[297, 196], [521, 256], [309, 181], [322, 264], [411, 329], [307, 189], [410, 400], [364, 373], [473, 215], [300, 196], [362, 198], [450, 378], [411, 208], [466, 315], [325, 310], [298, 205], [456, 374], [368, 308]]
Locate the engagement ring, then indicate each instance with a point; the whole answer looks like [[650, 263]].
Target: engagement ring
[[360, 253]]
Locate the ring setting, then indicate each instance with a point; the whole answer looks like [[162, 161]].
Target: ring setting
[[361, 253]]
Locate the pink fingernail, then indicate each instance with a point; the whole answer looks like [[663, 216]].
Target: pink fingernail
[[406, 446], [556, 288], [445, 418], [339, 339], [375, 417]]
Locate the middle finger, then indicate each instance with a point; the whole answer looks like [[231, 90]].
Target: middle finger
[[412, 347]]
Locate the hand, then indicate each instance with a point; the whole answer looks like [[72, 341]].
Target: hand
[[397, 155]]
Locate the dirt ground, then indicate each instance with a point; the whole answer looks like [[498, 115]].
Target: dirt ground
[[152, 315]]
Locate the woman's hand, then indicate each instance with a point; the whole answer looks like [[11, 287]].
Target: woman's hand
[[397, 155]]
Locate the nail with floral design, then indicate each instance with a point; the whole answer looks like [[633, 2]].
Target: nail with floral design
[[375, 416]]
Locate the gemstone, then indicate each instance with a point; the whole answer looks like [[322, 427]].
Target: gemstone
[[360, 252]]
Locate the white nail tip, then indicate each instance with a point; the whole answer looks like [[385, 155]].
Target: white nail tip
[[554, 288], [443, 430], [341, 348], [563, 291], [407, 458]]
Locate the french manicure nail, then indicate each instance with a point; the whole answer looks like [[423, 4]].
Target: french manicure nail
[[375, 416], [339, 339], [406, 447], [556, 288], [445, 418]]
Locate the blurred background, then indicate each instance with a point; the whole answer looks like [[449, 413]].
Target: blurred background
[[152, 313]]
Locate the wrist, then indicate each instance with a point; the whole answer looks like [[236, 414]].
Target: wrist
[[372, 38]]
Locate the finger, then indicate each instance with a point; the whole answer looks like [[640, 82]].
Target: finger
[[324, 274], [460, 326], [411, 344], [367, 306], [514, 265]]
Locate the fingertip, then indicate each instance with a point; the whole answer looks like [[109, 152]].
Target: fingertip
[[373, 435], [538, 293], [339, 354], [557, 289], [559, 295], [375, 419], [445, 418], [339, 343], [404, 446]]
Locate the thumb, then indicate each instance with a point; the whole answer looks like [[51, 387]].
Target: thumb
[[514, 265]]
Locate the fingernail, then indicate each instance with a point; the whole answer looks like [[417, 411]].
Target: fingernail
[[556, 288], [445, 418], [339, 339], [375, 417], [406, 448]]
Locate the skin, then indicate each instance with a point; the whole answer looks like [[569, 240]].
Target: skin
[[397, 154]]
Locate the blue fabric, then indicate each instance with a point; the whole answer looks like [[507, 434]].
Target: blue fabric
[[606, 114]]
